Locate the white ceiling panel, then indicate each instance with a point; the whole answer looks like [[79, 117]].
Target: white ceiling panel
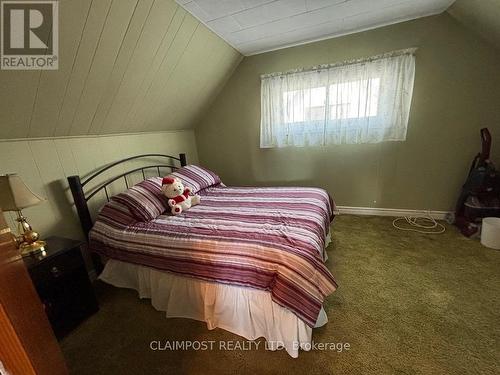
[[293, 37], [270, 12], [255, 26], [318, 4], [224, 25], [220, 8], [193, 8], [255, 3], [399, 12]]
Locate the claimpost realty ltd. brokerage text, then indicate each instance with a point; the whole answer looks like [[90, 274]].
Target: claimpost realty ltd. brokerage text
[[235, 345]]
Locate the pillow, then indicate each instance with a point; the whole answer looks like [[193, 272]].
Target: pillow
[[197, 178], [144, 200]]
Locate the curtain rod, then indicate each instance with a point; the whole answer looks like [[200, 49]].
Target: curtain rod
[[407, 51]]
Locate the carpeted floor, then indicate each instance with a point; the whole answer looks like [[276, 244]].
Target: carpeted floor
[[407, 304]]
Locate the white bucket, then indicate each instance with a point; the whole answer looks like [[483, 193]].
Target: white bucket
[[490, 232]]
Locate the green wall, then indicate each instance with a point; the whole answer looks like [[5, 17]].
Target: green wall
[[45, 163], [457, 91]]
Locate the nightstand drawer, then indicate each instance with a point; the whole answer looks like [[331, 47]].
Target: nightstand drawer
[[58, 267]]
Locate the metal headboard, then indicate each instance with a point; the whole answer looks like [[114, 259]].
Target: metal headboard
[[81, 197]]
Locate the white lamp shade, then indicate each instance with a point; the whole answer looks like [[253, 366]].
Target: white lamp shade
[[15, 195]]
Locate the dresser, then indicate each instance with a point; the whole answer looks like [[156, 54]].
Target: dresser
[[27, 343]]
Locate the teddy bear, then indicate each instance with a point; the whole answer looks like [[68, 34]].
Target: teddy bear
[[179, 198]]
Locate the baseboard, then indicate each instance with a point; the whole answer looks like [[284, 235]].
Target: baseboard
[[375, 211]]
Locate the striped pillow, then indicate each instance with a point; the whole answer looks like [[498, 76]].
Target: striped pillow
[[197, 178], [144, 200]]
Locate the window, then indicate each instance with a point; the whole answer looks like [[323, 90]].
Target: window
[[355, 99], [355, 102]]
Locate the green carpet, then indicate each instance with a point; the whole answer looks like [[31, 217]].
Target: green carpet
[[407, 304]]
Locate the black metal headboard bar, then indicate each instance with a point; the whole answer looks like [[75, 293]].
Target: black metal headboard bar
[[108, 182], [80, 198], [109, 166]]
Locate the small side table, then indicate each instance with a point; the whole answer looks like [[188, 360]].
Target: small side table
[[63, 285]]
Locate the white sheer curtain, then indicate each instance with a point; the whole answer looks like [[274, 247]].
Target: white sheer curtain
[[362, 101]]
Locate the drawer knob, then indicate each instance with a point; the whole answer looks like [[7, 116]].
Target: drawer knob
[[55, 271]]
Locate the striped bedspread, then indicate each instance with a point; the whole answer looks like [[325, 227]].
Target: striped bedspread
[[265, 238]]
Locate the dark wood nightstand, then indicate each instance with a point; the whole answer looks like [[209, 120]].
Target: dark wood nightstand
[[62, 282]]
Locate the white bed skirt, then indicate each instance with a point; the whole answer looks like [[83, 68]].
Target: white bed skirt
[[250, 313], [247, 312]]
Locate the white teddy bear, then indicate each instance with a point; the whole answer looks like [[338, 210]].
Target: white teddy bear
[[179, 198]]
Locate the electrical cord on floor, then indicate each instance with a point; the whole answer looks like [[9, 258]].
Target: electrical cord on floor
[[427, 225]]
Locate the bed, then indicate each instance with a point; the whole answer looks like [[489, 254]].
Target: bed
[[248, 260]]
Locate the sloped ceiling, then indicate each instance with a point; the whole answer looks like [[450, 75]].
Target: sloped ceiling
[[481, 16], [124, 66]]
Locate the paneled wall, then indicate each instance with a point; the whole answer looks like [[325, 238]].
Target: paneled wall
[[44, 165], [124, 66]]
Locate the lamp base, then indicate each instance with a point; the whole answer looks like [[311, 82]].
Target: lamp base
[[28, 249]]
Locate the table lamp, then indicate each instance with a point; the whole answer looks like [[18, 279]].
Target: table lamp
[[15, 196]]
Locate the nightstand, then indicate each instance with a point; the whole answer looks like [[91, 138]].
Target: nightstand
[[62, 282]]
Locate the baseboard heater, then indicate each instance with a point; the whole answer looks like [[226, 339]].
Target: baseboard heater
[[395, 212]]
